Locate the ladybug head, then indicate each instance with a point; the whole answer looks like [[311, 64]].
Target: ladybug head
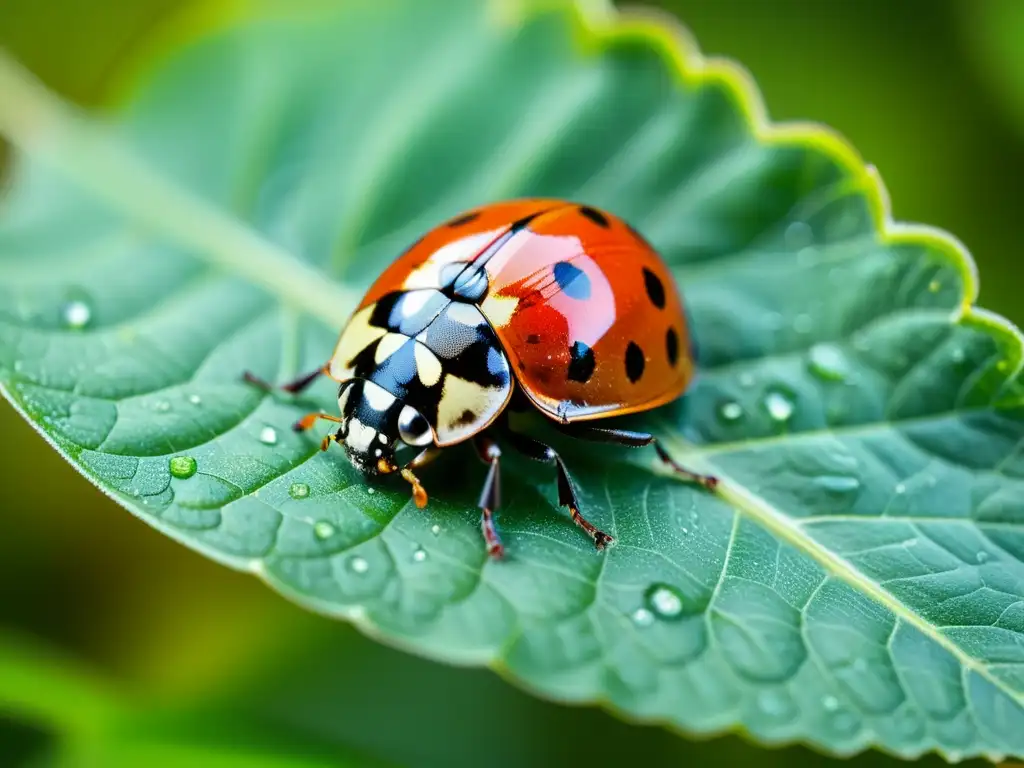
[[374, 423]]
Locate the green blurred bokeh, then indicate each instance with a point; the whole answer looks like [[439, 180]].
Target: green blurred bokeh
[[191, 656]]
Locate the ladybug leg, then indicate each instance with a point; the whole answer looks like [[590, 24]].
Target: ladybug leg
[[490, 496], [293, 387], [538, 451], [633, 439], [419, 493]]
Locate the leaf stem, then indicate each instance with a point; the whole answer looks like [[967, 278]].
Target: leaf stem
[[60, 136]]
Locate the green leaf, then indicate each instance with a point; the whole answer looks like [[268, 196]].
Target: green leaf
[[858, 579]]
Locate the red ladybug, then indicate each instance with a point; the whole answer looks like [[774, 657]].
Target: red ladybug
[[528, 303]]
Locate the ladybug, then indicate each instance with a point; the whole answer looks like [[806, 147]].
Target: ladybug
[[542, 304]]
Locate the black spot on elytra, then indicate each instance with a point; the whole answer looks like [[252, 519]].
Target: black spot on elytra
[[634, 362], [672, 346], [533, 338], [464, 218], [581, 363], [595, 216], [655, 289], [572, 280], [466, 417]]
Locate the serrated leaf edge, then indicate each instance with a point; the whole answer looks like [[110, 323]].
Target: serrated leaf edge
[[41, 125]]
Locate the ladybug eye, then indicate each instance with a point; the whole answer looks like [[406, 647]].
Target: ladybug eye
[[413, 428]]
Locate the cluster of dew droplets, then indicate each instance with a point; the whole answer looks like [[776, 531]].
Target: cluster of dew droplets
[[661, 602]]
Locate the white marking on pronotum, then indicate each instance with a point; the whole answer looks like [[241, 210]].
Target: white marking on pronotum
[[466, 314], [390, 344], [377, 397], [359, 435], [382, 437], [413, 302], [428, 367]]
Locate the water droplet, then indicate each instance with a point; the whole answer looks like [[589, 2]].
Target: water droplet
[[730, 411], [183, 467], [664, 601], [798, 234], [268, 436], [371, 491], [982, 557], [746, 380], [195, 399], [435, 529], [844, 722], [830, 703], [900, 489], [839, 483], [779, 404], [912, 542], [957, 355], [419, 555], [826, 362], [803, 323], [934, 286], [162, 406], [298, 490], [76, 314], [357, 564], [323, 529], [777, 705], [642, 617]]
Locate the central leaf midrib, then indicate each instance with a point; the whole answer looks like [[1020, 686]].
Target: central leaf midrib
[[788, 530]]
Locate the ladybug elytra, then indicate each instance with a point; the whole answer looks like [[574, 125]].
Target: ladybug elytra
[[537, 303]]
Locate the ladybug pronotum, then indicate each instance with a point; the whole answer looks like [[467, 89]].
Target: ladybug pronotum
[[540, 304]]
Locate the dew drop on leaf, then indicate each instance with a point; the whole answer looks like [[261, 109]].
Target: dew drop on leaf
[[730, 411], [298, 490], [162, 406], [779, 405], [844, 722], [826, 362], [838, 483], [357, 564], [957, 355], [746, 380], [322, 529], [435, 529], [642, 617], [183, 467], [900, 489], [268, 436], [664, 601], [798, 234], [419, 555], [830, 703], [371, 491], [934, 286], [76, 314], [982, 557], [776, 705], [195, 399]]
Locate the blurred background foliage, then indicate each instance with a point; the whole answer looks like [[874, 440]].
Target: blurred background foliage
[[144, 653]]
